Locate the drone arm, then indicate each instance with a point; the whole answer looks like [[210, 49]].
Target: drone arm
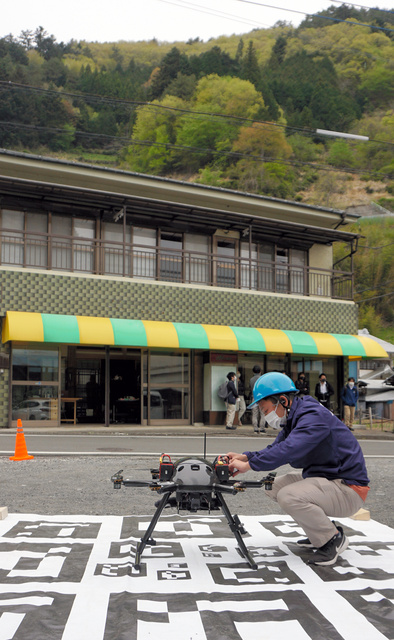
[[137, 483]]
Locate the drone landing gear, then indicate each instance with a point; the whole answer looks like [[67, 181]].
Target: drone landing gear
[[237, 528], [146, 539], [233, 522]]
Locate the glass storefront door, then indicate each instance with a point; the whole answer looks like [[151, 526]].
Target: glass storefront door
[[35, 385], [166, 387]]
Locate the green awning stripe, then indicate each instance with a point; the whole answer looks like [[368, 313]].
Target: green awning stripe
[[302, 342], [249, 339], [191, 336], [129, 333], [350, 345], [63, 329]]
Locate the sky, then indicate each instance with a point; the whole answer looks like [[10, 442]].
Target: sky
[[165, 20]]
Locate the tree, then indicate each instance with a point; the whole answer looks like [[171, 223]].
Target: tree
[[250, 69], [217, 95], [173, 63], [154, 131], [262, 140]]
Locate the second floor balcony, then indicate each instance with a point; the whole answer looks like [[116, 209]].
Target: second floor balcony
[[155, 263]]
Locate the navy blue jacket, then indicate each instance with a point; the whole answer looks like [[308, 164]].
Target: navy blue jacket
[[349, 396], [315, 441], [232, 392]]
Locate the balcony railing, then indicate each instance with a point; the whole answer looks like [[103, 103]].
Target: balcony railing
[[155, 263]]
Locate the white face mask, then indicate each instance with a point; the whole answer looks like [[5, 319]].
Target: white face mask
[[275, 421], [351, 385]]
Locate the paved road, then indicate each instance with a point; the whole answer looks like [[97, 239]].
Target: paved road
[[154, 445]]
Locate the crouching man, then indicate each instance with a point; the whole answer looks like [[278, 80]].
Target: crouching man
[[333, 481]]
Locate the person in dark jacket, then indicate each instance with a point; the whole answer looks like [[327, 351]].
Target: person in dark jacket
[[258, 420], [349, 397], [324, 391], [333, 481], [302, 385], [241, 397], [232, 400]]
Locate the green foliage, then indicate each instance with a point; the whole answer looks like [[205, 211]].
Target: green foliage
[[340, 154], [374, 272], [153, 131], [325, 74]]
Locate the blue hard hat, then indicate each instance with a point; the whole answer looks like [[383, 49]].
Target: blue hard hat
[[272, 384]]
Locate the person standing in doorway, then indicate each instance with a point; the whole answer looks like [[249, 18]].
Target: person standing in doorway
[[232, 400], [323, 391], [349, 396], [241, 397], [258, 418]]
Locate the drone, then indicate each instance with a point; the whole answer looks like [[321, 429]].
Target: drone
[[193, 484]]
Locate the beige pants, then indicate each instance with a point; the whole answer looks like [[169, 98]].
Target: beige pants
[[349, 415], [258, 418], [311, 502], [231, 408]]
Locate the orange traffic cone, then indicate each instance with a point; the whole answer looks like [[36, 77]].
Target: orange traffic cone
[[20, 445]]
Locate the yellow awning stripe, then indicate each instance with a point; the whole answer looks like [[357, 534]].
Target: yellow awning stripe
[[95, 330], [326, 343], [161, 334], [277, 341], [221, 338], [61, 329]]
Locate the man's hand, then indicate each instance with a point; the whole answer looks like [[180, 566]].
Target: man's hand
[[238, 466], [236, 456]]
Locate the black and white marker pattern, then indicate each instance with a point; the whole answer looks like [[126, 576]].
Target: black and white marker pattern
[[72, 578]]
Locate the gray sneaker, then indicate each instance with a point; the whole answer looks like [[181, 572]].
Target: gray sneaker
[[329, 552]]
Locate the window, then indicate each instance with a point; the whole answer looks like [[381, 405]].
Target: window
[[83, 258], [171, 256], [282, 270], [35, 384], [12, 250], [36, 240], [116, 256], [61, 247], [225, 262], [197, 259], [298, 275], [144, 252]]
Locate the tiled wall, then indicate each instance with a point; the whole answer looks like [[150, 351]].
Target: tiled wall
[[93, 296]]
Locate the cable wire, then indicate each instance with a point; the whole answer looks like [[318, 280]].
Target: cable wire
[[214, 12], [168, 145], [352, 4], [138, 103], [315, 15]]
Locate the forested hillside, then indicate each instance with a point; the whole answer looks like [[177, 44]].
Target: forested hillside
[[238, 112], [235, 112]]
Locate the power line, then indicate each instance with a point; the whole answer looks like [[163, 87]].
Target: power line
[[315, 15], [201, 150], [214, 12], [382, 284], [384, 295], [138, 103], [383, 246], [351, 4]]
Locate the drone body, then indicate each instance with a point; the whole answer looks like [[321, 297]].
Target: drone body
[[193, 484]]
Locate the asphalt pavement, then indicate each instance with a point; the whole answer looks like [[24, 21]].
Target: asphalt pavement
[[79, 483]]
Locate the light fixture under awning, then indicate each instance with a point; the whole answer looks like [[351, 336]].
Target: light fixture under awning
[[61, 329]]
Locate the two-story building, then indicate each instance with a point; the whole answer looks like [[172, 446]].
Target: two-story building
[[128, 298]]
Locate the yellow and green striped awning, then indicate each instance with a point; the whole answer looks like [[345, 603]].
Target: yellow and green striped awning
[[61, 329]]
